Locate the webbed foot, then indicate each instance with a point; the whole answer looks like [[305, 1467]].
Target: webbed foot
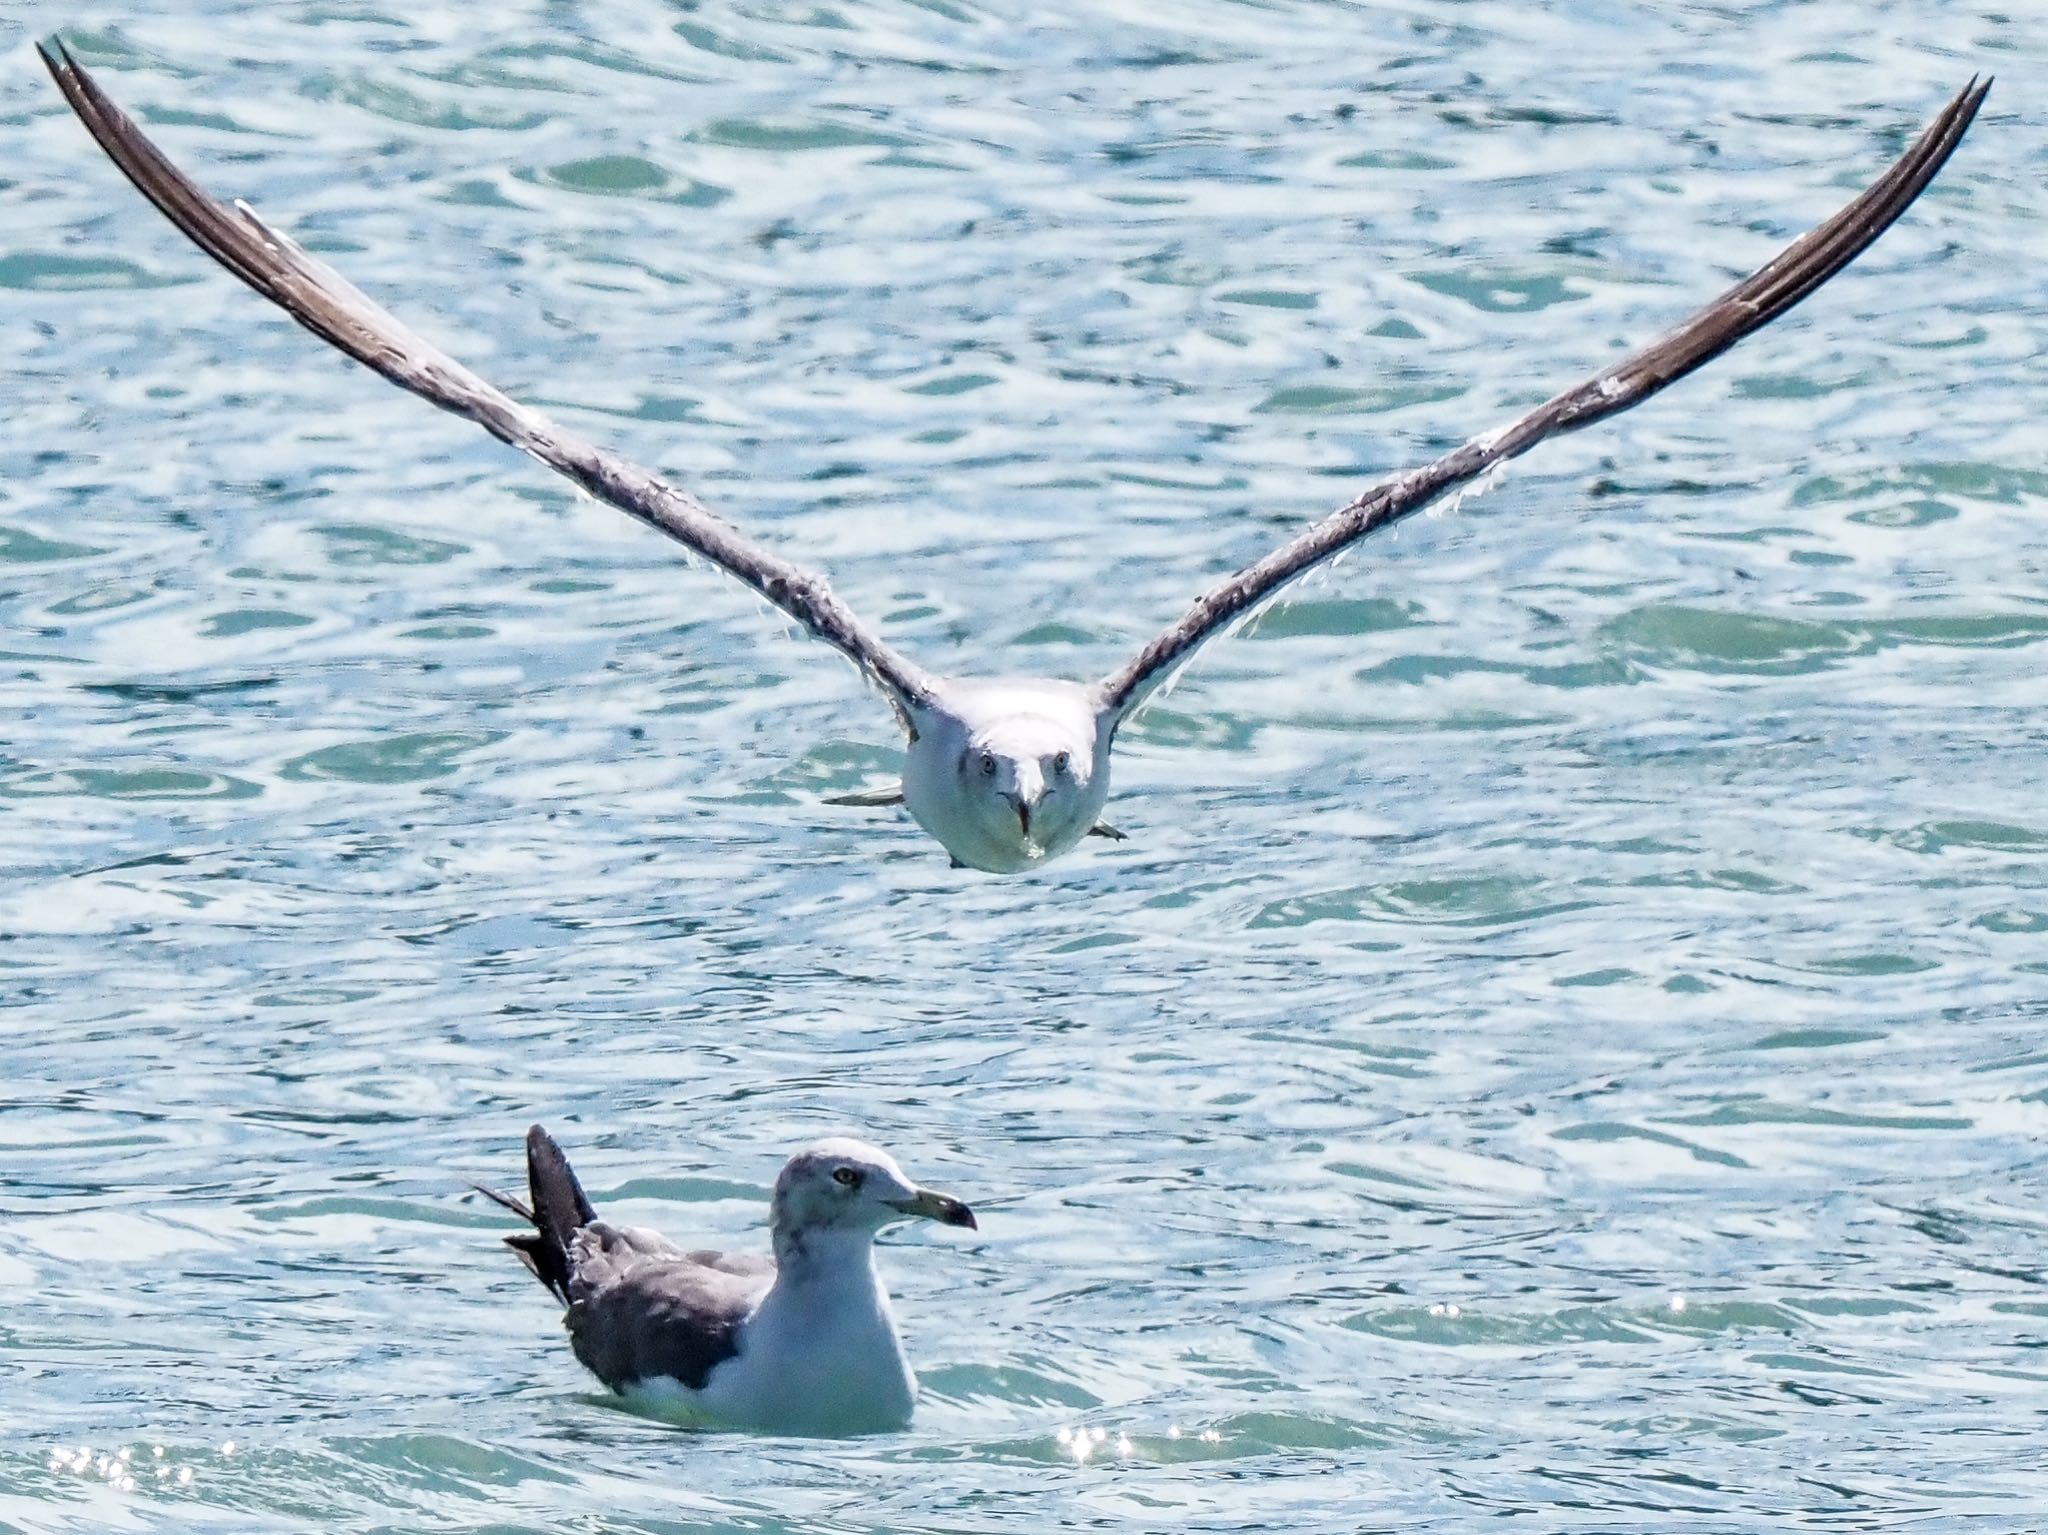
[[868, 798]]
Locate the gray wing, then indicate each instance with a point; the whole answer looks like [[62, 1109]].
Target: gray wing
[[1755, 301], [332, 308], [641, 1308]]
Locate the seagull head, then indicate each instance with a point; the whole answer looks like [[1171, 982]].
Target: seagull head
[[848, 1186], [1025, 783], [1007, 772]]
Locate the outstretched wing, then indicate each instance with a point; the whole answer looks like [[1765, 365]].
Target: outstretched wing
[[333, 309], [1755, 301]]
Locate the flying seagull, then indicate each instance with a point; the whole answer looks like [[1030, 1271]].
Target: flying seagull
[[1005, 772], [800, 1343]]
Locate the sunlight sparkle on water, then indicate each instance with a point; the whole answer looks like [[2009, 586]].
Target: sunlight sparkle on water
[[116, 1468]]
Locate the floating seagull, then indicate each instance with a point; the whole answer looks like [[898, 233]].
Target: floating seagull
[[1005, 772], [800, 1343]]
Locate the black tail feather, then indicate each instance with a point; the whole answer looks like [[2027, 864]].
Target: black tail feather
[[499, 1196], [560, 1209]]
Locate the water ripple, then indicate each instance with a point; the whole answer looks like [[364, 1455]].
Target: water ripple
[[1562, 1042]]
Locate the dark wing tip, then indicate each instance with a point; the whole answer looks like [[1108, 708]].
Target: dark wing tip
[[1969, 99], [65, 69]]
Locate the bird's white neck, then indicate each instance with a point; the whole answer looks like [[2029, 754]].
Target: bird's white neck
[[824, 1255], [822, 1348]]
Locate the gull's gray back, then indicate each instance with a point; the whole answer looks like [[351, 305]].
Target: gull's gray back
[[640, 1307]]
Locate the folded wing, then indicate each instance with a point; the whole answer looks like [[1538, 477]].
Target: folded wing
[[641, 1309], [1755, 301]]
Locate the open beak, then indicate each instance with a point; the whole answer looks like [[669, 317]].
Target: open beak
[[1023, 809], [943, 1208]]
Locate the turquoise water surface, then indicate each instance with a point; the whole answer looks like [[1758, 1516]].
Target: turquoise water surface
[[1563, 1048]]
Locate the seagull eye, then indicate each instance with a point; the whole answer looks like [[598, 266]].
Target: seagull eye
[[988, 765], [846, 1177], [1062, 762]]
